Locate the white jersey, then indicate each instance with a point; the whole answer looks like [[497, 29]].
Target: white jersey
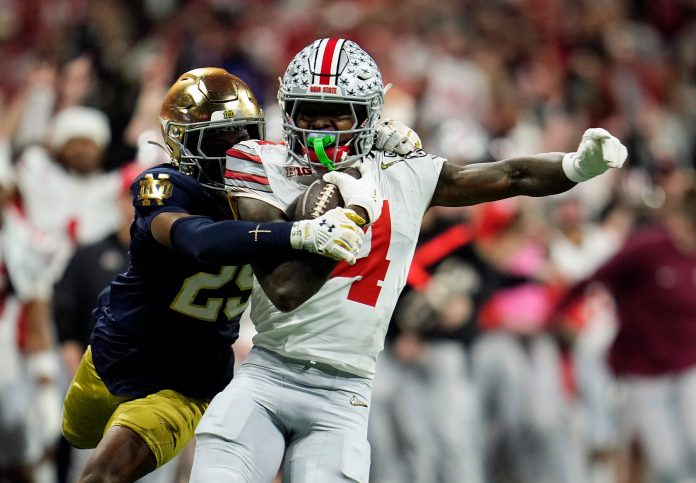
[[57, 201], [345, 322]]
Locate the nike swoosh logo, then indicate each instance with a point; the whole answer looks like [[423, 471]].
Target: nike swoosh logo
[[354, 401], [384, 165]]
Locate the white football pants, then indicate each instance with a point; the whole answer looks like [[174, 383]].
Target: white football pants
[[312, 415]]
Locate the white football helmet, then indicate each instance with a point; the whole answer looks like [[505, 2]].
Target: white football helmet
[[333, 71]]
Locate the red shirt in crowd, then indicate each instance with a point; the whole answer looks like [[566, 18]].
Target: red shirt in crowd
[[654, 287]]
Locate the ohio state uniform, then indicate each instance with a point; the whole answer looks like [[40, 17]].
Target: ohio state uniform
[[344, 324], [310, 371]]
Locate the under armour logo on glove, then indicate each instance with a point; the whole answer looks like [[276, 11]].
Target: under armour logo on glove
[[327, 226], [335, 234]]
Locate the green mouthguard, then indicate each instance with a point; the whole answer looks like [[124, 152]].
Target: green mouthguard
[[318, 143]]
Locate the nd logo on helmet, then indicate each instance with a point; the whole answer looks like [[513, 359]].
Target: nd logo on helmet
[[228, 114]]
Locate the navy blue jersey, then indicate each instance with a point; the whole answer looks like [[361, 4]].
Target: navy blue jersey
[[169, 321]]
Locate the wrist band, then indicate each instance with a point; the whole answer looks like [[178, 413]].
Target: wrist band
[[570, 169]]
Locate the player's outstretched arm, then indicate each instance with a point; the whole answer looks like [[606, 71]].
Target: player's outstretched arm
[[231, 242], [538, 175]]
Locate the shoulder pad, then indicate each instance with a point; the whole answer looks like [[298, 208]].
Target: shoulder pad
[[154, 186]]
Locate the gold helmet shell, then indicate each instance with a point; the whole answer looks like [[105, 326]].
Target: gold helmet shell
[[204, 113]]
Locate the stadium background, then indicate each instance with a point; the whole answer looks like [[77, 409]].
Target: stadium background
[[478, 80]]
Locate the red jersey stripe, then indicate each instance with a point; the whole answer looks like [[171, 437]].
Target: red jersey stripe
[[236, 153]]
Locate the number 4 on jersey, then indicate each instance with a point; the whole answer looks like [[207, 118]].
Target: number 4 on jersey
[[373, 267]]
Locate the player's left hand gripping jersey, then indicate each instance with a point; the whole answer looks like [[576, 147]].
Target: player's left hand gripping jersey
[[343, 324], [169, 321]]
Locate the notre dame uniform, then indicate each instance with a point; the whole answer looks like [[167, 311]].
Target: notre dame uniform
[[161, 346]]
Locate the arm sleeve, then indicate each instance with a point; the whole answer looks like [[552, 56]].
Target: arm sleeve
[[229, 242]]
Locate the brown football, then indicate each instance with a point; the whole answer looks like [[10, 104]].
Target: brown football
[[321, 197]]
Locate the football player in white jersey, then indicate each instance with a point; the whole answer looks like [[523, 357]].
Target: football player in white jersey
[[302, 397], [30, 372]]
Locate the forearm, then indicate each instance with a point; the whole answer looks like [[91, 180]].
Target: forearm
[[42, 360], [39, 332], [538, 175], [229, 242]]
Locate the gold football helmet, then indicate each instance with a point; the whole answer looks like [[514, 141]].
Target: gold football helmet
[[205, 113]]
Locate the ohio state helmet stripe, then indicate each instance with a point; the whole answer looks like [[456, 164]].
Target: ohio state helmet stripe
[[326, 62]]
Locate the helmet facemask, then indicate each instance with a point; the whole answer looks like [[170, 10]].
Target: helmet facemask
[[201, 147], [205, 113], [331, 73], [326, 149]]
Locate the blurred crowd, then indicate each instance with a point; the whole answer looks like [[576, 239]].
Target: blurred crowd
[[528, 347]]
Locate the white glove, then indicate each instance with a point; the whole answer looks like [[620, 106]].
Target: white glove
[[395, 136], [597, 152], [34, 260], [47, 403], [335, 234], [361, 192]]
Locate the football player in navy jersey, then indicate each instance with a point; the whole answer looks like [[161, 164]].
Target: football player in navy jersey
[[161, 346]]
